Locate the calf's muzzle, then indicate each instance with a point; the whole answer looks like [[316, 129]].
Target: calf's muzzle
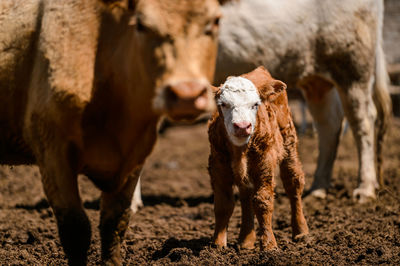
[[242, 129]]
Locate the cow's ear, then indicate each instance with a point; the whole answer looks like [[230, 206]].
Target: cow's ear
[[274, 90]]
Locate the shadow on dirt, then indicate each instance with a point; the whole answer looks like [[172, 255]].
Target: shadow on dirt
[[148, 200], [40, 205], [151, 200], [172, 248]]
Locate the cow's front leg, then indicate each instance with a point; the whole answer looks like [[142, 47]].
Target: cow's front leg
[[60, 185], [114, 219]]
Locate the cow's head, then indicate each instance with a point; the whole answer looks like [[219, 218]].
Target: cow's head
[[177, 46], [239, 98]]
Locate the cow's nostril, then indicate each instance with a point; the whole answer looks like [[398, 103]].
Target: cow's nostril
[[170, 95], [185, 100], [201, 100]]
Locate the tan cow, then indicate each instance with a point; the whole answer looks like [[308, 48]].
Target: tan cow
[[250, 135], [82, 86]]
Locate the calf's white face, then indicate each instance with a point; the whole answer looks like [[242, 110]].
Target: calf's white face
[[238, 101]]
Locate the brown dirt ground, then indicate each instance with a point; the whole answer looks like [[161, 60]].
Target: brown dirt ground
[[177, 221]]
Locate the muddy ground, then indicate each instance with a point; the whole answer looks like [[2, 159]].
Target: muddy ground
[[177, 221]]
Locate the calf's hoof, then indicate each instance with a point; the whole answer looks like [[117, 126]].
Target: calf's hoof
[[268, 247], [112, 262], [268, 244], [246, 245], [218, 244], [301, 237], [246, 241]]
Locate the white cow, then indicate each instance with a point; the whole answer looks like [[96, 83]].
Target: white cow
[[318, 45], [315, 45]]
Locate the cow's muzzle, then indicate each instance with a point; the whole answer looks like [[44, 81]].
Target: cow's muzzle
[[187, 100]]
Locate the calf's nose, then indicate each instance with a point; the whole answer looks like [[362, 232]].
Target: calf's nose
[[187, 99], [242, 129]]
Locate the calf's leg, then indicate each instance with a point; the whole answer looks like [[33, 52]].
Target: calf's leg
[[247, 235], [292, 177], [223, 208], [263, 206]]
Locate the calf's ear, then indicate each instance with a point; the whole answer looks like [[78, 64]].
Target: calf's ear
[[214, 89], [278, 87], [272, 90]]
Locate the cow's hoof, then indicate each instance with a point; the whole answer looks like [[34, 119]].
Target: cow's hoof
[[364, 195], [319, 193], [135, 206]]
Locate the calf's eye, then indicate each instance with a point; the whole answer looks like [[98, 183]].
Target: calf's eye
[[223, 105]]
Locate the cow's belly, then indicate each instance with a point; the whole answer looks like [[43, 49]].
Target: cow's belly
[[108, 160], [101, 154]]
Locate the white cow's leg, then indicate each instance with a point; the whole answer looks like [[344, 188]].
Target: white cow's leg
[[137, 202], [327, 113], [361, 113], [303, 110]]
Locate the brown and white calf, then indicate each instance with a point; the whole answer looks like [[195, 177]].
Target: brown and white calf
[[250, 135], [83, 84]]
